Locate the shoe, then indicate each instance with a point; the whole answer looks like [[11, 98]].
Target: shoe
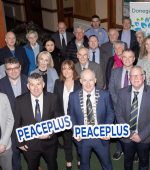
[[117, 155], [68, 167], [136, 158]]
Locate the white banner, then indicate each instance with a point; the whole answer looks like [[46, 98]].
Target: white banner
[[140, 16]]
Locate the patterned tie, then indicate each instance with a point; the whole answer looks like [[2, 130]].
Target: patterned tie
[[134, 112], [90, 115], [93, 58], [37, 111], [126, 80], [63, 43]]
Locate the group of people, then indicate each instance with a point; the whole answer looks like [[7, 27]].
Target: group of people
[[94, 76]]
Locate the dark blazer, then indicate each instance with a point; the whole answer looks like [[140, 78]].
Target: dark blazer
[[115, 84], [20, 54], [58, 89], [124, 108], [136, 50], [96, 68], [109, 67], [104, 108], [56, 37], [133, 37], [5, 87], [71, 52], [24, 116]]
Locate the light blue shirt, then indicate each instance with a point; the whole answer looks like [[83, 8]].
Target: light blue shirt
[[100, 33], [126, 37], [97, 55], [16, 87], [123, 77]]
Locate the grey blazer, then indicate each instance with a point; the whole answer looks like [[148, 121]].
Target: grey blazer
[[96, 68], [115, 84], [123, 112], [6, 121], [51, 77]]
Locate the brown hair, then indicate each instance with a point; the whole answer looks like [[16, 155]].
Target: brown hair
[[143, 51], [72, 66]]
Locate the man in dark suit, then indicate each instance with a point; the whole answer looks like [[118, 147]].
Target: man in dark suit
[[102, 113], [95, 54], [126, 34], [133, 108], [13, 84], [11, 50], [62, 37], [31, 108], [76, 43], [83, 56], [120, 79]]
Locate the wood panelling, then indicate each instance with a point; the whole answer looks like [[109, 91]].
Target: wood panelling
[[2, 26], [84, 8]]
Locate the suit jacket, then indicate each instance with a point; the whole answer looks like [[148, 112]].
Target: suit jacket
[[6, 121], [59, 88], [96, 68], [20, 54], [71, 52], [115, 84], [51, 77], [133, 37], [5, 87], [104, 108], [124, 108], [57, 39], [24, 116]]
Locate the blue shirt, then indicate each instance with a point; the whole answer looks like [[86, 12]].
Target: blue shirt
[[126, 37], [97, 55], [100, 33]]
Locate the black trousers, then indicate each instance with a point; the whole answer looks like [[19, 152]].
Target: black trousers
[[142, 149], [43, 149]]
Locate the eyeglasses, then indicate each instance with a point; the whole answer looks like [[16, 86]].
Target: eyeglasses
[[136, 76], [13, 69]]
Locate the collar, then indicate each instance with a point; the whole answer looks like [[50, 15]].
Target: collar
[[39, 98]]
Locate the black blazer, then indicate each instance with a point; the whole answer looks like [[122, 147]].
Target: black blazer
[[5, 87], [133, 37], [24, 116], [20, 54], [58, 89]]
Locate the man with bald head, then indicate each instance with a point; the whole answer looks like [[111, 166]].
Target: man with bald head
[[11, 50], [83, 56], [101, 112], [62, 37]]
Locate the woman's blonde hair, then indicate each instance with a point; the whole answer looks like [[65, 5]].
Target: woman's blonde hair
[[143, 51], [51, 62]]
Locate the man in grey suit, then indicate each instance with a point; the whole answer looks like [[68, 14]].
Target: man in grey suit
[[62, 37], [6, 124], [84, 63], [119, 79], [107, 49], [133, 108]]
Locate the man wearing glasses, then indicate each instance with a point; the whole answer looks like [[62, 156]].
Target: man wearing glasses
[[133, 108], [13, 84]]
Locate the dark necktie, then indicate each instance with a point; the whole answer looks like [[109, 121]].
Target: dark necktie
[[93, 58], [134, 112], [90, 115], [37, 111], [63, 43], [126, 80]]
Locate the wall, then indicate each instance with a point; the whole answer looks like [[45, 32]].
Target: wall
[[15, 9]]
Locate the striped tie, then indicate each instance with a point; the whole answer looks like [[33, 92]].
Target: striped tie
[[90, 115], [134, 112]]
